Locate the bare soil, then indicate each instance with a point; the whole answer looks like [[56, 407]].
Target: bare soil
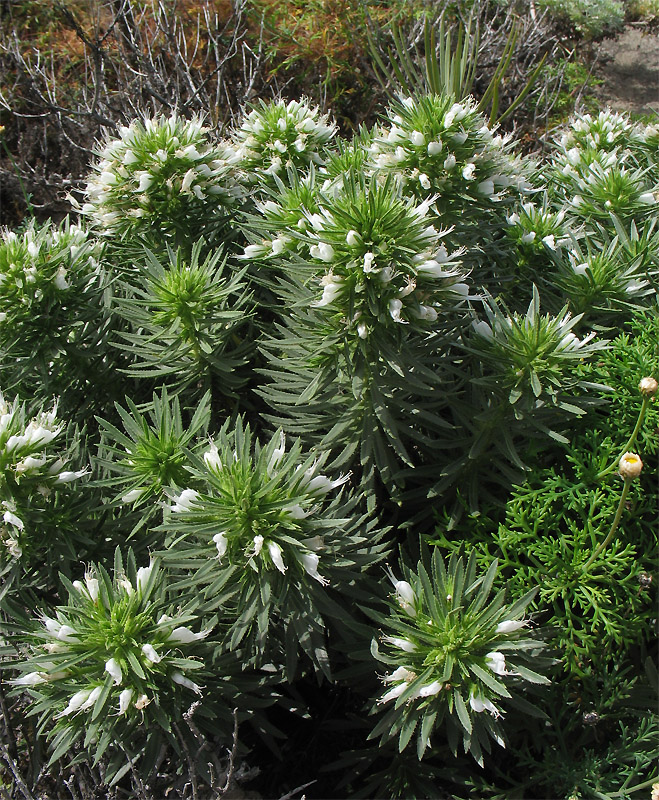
[[629, 68]]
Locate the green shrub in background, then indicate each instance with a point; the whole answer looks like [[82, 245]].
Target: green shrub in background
[[287, 359]]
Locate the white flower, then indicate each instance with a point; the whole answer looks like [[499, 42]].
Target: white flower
[[11, 519], [179, 678], [362, 330], [528, 237], [369, 258], [395, 307], [66, 634], [93, 697], [482, 329], [143, 575], [67, 477], [75, 702], [184, 501], [296, 512], [417, 138], [30, 679], [393, 693], [468, 172], [399, 674], [150, 653], [212, 458], [124, 700], [113, 669], [132, 496], [630, 465], [510, 625], [424, 180], [406, 597], [275, 554], [549, 241], [480, 704], [183, 635], [449, 162], [434, 148], [221, 543], [322, 251], [353, 238], [430, 689], [142, 702], [648, 198], [331, 290], [258, 544], [402, 644], [310, 564], [496, 661]]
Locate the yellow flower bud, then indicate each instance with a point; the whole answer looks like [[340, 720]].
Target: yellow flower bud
[[648, 387], [630, 465]]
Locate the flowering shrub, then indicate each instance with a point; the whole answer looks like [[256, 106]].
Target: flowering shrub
[[162, 176], [112, 668], [283, 357], [453, 656]]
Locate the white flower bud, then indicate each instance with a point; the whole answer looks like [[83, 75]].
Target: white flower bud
[[183, 635], [150, 653], [112, 668], [510, 625], [630, 465], [212, 458], [648, 387], [124, 700], [275, 554], [430, 689]]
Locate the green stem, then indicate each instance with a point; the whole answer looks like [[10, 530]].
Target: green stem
[[631, 440], [636, 788], [614, 525]]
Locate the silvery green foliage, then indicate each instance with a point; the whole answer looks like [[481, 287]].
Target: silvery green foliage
[[455, 656], [162, 177], [52, 314], [112, 670], [367, 328], [149, 457], [34, 468], [276, 136], [269, 540], [185, 321]]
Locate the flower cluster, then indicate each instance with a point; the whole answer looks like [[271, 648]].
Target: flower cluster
[[277, 135], [32, 462], [268, 527], [41, 267], [537, 229], [161, 175], [383, 262], [112, 661], [452, 655], [439, 146]]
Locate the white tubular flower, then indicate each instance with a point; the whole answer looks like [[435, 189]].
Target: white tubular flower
[[496, 661], [434, 148], [549, 241], [221, 543], [406, 597], [482, 329], [399, 674], [353, 238], [310, 564], [430, 689], [480, 704], [275, 554], [212, 458], [468, 172], [183, 635], [179, 678], [320, 483], [184, 501], [449, 162], [402, 644], [92, 587], [322, 251], [30, 679], [630, 465], [296, 512], [67, 634], [93, 697], [143, 575], [528, 237], [395, 307], [150, 653], [331, 290], [510, 625], [132, 496], [11, 519], [417, 139], [393, 693], [75, 703], [486, 187], [124, 701], [143, 701], [369, 258], [258, 545], [113, 669], [424, 180]]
